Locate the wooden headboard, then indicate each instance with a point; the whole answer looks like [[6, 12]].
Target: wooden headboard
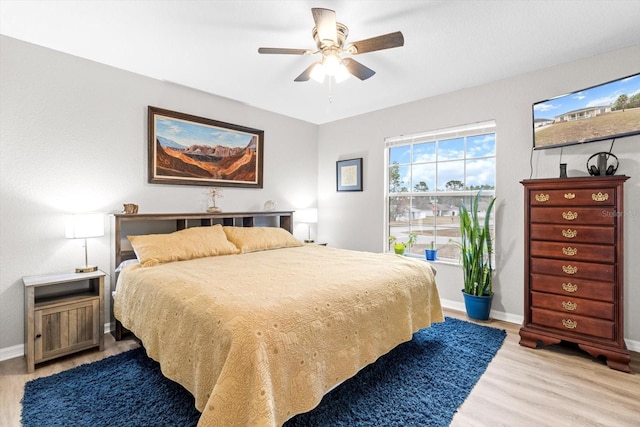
[[123, 225]]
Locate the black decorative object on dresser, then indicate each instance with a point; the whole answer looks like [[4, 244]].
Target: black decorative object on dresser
[[573, 266]]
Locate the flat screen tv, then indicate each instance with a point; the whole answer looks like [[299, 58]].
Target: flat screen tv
[[607, 111]]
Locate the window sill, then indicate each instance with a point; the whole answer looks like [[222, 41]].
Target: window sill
[[442, 261]]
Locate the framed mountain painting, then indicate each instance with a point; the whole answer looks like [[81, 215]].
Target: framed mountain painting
[[191, 150]]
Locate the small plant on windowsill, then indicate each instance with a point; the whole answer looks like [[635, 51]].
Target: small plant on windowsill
[[431, 253], [401, 247]]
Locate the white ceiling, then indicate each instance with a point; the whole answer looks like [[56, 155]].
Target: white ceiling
[[212, 45]]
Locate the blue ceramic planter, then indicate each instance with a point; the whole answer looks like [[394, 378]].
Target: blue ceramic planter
[[478, 307], [431, 254]]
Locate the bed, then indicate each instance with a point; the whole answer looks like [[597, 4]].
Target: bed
[[262, 329]]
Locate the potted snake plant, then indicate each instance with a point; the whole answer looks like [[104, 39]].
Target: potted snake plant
[[475, 251]]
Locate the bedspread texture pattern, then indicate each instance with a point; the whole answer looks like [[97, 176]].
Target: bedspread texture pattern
[[260, 337]]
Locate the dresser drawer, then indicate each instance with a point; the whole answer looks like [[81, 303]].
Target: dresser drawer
[[569, 233], [573, 287], [571, 305], [571, 269], [574, 216], [580, 197], [571, 251], [573, 323]]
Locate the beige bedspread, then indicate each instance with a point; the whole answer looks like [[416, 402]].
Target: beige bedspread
[[260, 337]]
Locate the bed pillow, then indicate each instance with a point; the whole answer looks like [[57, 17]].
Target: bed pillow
[[190, 243], [251, 239]]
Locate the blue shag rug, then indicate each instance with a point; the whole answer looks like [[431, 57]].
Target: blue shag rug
[[419, 383]]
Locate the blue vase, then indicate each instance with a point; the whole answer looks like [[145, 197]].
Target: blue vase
[[431, 254], [478, 307]]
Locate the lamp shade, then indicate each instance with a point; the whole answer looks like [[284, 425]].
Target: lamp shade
[[309, 215], [81, 226]]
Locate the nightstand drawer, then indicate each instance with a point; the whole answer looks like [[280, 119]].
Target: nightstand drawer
[[573, 323], [573, 251], [573, 287], [564, 304], [64, 328]]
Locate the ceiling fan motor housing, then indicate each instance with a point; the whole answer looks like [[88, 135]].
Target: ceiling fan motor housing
[[341, 35]]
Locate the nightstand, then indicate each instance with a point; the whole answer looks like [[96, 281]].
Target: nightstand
[[64, 313]]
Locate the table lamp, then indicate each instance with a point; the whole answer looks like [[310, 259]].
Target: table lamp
[[308, 216], [83, 226]]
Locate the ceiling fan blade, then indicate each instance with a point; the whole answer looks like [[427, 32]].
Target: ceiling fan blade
[[386, 41], [325, 20], [306, 74], [284, 51], [357, 69]]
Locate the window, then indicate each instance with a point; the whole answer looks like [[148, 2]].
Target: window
[[429, 176]]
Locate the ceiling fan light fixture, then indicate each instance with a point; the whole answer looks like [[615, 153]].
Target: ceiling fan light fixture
[[318, 73], [342, 74], [331, 64]]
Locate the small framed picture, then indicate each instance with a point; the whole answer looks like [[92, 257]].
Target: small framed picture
[[349, 175]]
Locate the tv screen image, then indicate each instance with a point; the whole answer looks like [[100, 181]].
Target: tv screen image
[[606, 111]]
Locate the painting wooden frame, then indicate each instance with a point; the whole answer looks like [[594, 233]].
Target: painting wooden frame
[[191, 150], [349, 175]]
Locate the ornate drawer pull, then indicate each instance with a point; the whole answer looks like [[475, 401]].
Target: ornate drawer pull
[[569, 234], [599, 197], [569, 251], [569, 269], [569, 196], [569, 216], [568, 305], [542, 197], [569, 324], [570, 287]]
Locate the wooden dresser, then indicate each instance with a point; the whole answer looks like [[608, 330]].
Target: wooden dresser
[[573, 273]]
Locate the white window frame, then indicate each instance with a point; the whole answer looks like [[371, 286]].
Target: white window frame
[[474, 129]]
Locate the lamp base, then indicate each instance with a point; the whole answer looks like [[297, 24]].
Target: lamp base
[[86, 269]]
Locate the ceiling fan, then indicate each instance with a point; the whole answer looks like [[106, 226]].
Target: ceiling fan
[[330, 37]]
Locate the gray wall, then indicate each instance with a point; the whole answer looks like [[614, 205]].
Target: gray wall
[[355, 220], [73, 138]]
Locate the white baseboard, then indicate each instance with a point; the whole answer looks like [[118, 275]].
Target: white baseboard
[[498, 315], [11, 352], [632, 345]]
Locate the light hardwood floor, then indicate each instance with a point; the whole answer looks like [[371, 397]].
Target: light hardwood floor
[[554, 386]]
